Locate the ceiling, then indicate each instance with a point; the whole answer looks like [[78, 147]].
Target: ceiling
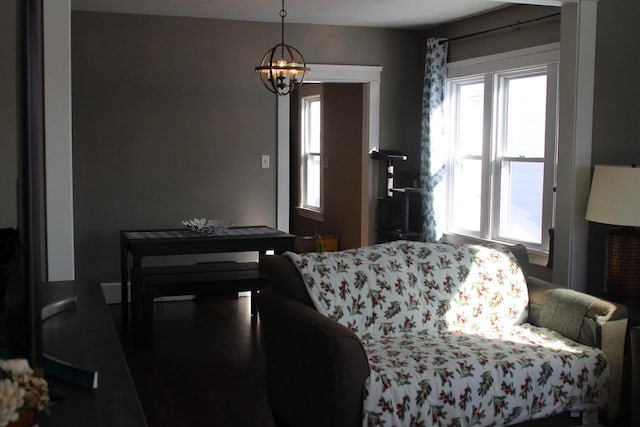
[[414, 14]]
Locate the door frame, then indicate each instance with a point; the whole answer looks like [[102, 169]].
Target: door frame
[[330, 73]]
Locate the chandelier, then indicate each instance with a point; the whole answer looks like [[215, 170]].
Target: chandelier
[[282, 68]]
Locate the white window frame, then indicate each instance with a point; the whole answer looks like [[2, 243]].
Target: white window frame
[[491, 69], [310, 92]]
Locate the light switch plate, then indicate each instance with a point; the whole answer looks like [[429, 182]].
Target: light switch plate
[[265, 161]]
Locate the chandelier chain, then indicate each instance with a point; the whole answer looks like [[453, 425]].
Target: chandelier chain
[[283, 14]]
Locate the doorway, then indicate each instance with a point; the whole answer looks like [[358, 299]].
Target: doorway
[[369, 76], [326, 161]]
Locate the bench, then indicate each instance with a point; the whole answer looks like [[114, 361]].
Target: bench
[[204, 279]]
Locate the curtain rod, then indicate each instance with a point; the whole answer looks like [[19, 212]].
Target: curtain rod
[[516, 24]]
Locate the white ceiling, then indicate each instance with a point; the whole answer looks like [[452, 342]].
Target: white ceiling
[[418, 14]]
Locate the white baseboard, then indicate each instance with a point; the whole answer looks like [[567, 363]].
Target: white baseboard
[[111, 291]]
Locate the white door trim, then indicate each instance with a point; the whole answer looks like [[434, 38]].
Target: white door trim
[[57, 129], [577, 73]]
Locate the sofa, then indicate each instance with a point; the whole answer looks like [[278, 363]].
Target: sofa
[[414, 333]]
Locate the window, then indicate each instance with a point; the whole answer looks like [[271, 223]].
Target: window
[[501, 115], [311, 151]]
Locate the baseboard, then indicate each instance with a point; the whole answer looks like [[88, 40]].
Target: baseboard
[[111, 291]]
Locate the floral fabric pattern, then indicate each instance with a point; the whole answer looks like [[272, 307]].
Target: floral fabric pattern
[[455, 379], [442, 326], [402, 286], [433, 144]]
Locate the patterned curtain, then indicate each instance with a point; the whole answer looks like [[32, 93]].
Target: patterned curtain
[[433, 148]]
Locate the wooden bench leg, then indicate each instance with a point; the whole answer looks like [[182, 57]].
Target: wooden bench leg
[[137, 310]]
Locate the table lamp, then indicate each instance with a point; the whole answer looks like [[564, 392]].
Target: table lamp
[[615, 200]]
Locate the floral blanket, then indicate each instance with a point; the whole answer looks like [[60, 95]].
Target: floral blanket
[[443, 329], [401, 287]]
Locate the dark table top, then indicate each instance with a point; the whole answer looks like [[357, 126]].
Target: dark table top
[[215, 233], [183, 241]]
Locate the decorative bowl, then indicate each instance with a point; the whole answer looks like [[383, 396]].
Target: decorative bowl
[[203, 225]]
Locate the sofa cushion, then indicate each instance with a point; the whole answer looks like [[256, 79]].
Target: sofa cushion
[[450, 378], [401, 286]]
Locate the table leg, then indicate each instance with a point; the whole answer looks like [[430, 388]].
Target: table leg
[[254, 302], [254, 292], [124, 282]]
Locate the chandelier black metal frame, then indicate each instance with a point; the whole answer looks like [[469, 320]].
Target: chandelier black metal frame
[[284, 74]]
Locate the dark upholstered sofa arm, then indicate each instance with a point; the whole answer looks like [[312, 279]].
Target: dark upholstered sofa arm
[[316, 367]]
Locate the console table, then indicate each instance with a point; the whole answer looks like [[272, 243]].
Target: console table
[[149, 282], [85, 336]]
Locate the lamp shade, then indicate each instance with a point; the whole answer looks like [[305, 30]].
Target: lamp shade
[[615, 196]]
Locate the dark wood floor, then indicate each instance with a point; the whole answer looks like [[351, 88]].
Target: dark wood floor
[[205, 368]]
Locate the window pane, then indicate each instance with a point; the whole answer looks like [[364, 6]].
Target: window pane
[[521, 201], [525, 119], [466, 194], [313, 181], [313, 123], [470, 118]]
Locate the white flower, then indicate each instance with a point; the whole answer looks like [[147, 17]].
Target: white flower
[[23, 384], [198, 225], [36, 392], [195, 223], [16, 367], [11, 398]]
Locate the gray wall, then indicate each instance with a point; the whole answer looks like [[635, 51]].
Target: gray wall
[[170, 120], [616, 107], [8, 113]]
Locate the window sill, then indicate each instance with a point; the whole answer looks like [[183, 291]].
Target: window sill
[[539, 258], [536, 257], [308, 213]]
